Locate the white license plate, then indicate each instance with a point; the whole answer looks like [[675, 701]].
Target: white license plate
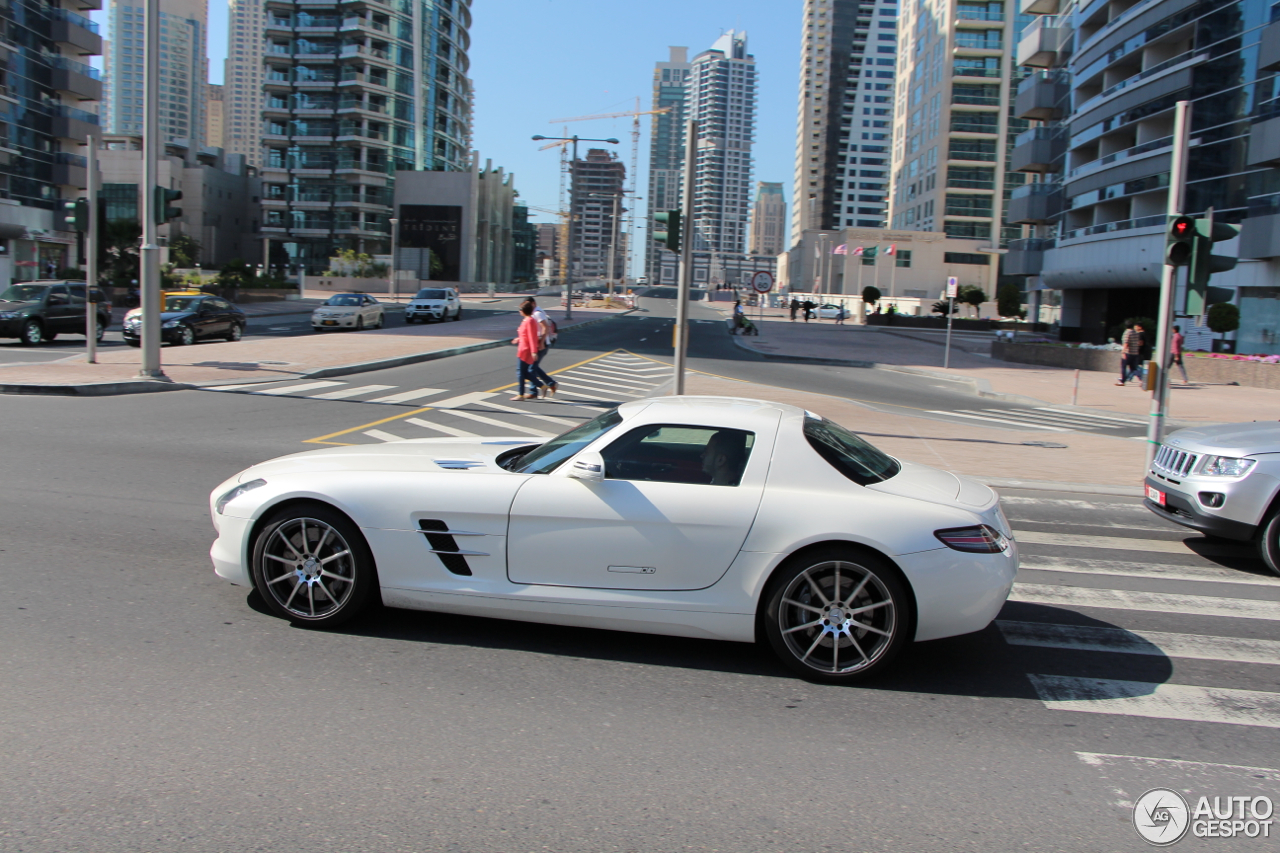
[[1155, 494]]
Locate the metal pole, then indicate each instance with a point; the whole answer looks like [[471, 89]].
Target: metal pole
[[150, 298], [1075, 388], [394, 289], [613, 243], [1164, 323], [686, 256], [91, 257], [951, 307], [573, 195]]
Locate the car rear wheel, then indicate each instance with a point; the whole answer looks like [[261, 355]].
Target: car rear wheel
[[458, 316], [382, 318], [838, 615], [1269, 542], [33, 334], [313, 567], [186, 336], [235, 333]]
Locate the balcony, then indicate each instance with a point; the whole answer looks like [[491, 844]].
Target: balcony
[[1041, 96], [73, 124], [75, 78], [1264, 137], [1039, 7], [1035, 204], [1039, 149], [1269, 49], [1042, 40], [1260, 233], [70, 175], [1026, 256], [74, 31]]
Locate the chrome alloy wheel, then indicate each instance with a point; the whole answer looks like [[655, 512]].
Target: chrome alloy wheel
[[837, 618], [309, 568]]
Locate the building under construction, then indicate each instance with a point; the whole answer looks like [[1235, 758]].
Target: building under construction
[[596, 193]]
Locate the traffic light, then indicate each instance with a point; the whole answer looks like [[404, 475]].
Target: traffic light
[[666, 229], [1180, 241], [1204, 263], [163, 211], [75, 215]]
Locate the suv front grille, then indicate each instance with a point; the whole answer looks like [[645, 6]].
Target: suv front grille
[[1172, 462]]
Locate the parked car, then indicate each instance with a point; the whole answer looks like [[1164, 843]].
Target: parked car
[[38, 311], [348, 310], [828, 311], [433, 303], [1223, 481], [706, 517], [189, 317]]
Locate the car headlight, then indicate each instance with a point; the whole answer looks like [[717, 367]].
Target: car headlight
[[10, 315], [239, 490], [979, 539], [173, 324], [132, 322], [1226, 466]]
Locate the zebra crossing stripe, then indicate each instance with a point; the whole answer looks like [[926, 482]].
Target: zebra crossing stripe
[[1091, 417], [1021, 424], [621, 382], [1155, 602], [407, 396], [586, 396], [512, 428], [343, 393], [1124, 543], [293, 389], [1158, 701], [577, 384], [462, 400], [1060, 420], [456, 433], [382, 436], [1104, 759], [1132, 642], [1123, 569], [548, 418], [1072, 503], [591, 380], [241, 386]]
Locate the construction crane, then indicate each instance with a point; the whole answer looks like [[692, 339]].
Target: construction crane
[[635, 162]]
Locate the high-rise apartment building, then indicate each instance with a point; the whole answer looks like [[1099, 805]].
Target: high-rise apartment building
[[47, 111], [597, 183], [848, 55], [952, 128], [242, 79], [183, 68], [666, 145], [768, 220], [1104, 102], [213, 115], [355, 91]]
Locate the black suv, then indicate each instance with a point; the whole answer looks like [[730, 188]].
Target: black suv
[[39, 311]]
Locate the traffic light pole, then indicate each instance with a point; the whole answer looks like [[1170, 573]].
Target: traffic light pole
[[91, 257], [686, 257], [1164, 323], [150, 298]]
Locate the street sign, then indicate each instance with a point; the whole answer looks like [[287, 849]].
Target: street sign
[[953, 286], [762, 282]]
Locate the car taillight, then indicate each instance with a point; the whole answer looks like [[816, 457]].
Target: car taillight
[[980, 539]]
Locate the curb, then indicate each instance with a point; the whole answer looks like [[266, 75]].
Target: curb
[[147, 386]]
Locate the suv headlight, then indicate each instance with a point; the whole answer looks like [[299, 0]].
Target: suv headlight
[[1226, 466], [239, 490], [10, 315], [173, 324]]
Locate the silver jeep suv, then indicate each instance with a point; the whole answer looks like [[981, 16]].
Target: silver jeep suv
[[433, 303], [1223, 481]]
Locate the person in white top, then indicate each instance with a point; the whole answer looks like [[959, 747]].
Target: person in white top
[[547, 337]]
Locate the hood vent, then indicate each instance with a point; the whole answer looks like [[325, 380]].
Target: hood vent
[[459, 464]]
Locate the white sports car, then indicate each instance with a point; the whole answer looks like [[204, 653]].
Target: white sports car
[[706, 517]]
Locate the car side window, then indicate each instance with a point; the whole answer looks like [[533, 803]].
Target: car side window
[[677, 453], [58, 295], [77, 294], [220, 304]]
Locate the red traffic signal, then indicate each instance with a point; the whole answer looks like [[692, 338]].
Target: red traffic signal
[[1180, 241]]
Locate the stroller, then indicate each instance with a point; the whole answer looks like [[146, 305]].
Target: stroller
[[745, 325]]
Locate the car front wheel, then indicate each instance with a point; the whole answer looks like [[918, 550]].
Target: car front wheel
[[102, 331], [1269, 542], [235, 333], [186, 337], [313, 567], [359, 324], [33, 334], [838, 616]]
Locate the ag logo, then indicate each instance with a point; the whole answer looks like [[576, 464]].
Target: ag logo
[[1161, 816]]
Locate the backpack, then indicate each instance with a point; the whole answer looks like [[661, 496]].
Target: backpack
[[552, 329]]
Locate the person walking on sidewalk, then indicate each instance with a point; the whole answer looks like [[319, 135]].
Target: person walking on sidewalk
[[528, 341], [1175, 354], [547, 338], [795, 306], [1131, 343]]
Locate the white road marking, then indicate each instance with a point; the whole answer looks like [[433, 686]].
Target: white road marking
[[1093, 417], [457, 433], [1102, 759], [600, 376], [511, 429], [382, 436], [1132, 642], [1119, 568], [1154, 602], [1022, 424], [1071, 503], [592, 380], [305, 386], [1159, 701], [1036, 417], [242, 386], [515, 411], [581, 394], [343, 393], [1123, 543], [577, 384], [463, 400], [406, 396]]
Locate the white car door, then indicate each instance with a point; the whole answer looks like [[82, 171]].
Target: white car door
[[655, 523]]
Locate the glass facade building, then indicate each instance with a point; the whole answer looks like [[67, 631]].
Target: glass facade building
[[183, 69], [666, 147]]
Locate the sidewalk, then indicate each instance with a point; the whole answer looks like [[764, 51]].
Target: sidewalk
[[908, 349], [316, 355]]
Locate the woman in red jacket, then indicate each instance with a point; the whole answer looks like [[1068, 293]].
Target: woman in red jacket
[[528, 341]]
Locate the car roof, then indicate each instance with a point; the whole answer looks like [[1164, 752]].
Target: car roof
[[691, 406]]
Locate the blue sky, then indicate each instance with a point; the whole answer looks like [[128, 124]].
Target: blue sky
[[535, 60]]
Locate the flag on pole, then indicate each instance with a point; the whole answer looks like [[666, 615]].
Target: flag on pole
[[842, 249], [857, 251], [892, 247], [871, 253]]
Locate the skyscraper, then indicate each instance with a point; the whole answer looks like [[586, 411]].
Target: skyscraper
[[597, 181], [242, 80], [214, 129], [768, 220], [666, 145], [355, 92], [848, 55], [183, 68]]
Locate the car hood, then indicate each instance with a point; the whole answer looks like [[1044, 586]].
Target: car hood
[[416, 455], [941, 487], [336, 308], [428, 303], [1229, 439], [18, 306]]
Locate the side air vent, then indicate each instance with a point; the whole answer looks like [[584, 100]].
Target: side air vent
[[458, 464], [444, 546]]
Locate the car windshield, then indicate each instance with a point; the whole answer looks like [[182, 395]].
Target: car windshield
[[23, 293], [428, 293], [345, 299], [182, 303], [848, 453], [545, 458]]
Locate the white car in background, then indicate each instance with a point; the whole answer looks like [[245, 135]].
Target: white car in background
[[348, 311], [709, 517], [434, 303], [829, 311]]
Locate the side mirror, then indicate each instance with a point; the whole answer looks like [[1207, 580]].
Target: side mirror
[[588, 466]]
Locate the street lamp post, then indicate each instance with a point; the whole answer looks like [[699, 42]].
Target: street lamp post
[[575, 139], [395, 285]]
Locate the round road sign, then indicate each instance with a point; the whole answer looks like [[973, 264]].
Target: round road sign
[[762, 282]]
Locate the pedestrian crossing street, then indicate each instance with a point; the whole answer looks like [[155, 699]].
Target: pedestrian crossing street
[[1110, 603], [583, 389], [1045, 419]]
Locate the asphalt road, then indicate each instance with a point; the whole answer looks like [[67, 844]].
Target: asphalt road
[[148, 705]]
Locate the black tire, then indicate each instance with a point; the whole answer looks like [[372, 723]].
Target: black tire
[[32, 334], [458, 316], [382, 319], [186, 337], [236, 332], [359, 324], [809, 628], [312, 566], [133, 343], [102, 330], [409, 321], [1269, 542]]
